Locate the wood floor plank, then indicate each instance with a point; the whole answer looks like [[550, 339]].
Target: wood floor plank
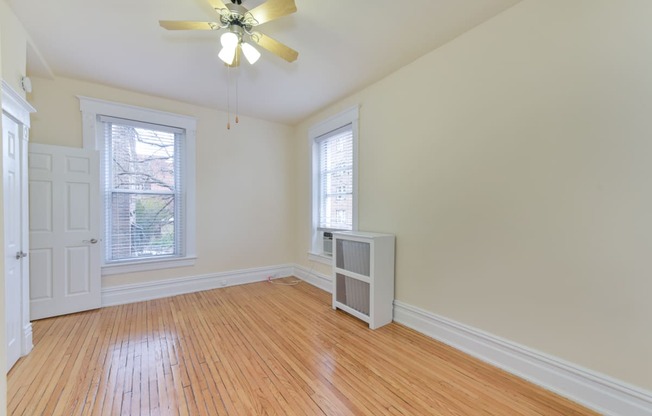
[[258, 349]]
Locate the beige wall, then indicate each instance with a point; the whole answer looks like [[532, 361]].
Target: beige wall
[[514, 164], [14, 48], [244, 193]]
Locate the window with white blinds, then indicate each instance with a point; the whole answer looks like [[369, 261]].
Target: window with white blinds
[[143, 189], [335, 153], [334, 185]]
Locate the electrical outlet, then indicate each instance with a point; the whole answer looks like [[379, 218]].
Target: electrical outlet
[[223, 283]]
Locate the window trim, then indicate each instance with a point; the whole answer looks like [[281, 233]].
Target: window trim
[[92, 135], [348, 116]]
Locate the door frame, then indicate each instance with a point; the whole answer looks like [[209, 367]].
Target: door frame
[[14, 105]]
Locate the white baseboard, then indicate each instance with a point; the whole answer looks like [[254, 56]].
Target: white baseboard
[[322, 281], [596, 391], [119, 295]]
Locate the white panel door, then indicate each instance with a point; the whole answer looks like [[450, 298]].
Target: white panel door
[[64, 230], [13, 242]]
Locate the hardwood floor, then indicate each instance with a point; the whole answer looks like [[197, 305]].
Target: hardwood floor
[[258, 349]]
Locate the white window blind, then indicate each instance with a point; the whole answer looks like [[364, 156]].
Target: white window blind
[[144, 207], [335, 153]]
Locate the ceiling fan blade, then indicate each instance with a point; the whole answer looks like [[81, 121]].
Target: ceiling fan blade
[[217, 4], [187, 25], [275, 47], [273, 9]]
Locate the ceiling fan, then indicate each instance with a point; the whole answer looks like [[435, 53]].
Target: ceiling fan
[[239, 24]]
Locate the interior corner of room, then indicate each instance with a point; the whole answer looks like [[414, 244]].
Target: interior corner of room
[[508, 160]]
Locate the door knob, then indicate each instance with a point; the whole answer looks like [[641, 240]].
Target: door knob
[[91, 241], [20, 255]]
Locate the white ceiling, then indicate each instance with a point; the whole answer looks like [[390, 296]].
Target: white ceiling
[[343, 46]]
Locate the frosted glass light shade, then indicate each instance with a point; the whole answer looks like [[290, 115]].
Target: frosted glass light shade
[[250, 53], [229, 40], [227, 55]]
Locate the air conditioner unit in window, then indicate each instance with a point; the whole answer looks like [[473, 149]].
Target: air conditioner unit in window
[[327, 245]]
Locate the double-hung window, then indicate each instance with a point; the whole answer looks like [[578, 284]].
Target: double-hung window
[[143, 192], [334, 185], [147, 177], [335, 154]]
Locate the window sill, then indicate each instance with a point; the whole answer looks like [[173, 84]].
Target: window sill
[[146, 265], [320, 258]]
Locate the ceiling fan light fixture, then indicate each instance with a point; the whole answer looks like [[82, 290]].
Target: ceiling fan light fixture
[[229, 40], [250, 52], [227, 54], [237, 23]]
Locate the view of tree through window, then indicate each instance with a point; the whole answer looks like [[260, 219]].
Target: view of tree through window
[[143, 180]]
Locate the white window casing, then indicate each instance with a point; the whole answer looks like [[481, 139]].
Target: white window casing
[[334, 147], [102, 119]]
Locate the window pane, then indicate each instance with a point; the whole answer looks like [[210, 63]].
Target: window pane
[[336, 180], [142, 159], [338, 212], [142, 225]]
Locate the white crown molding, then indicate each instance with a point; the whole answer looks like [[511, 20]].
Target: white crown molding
[[15, 105], [118, 295], [597, 391]]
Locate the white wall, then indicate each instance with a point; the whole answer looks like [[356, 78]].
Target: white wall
[[514, 164], [244, 193], [3, 329]]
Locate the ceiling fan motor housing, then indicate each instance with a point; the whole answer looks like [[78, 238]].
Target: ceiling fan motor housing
[[237, 16]]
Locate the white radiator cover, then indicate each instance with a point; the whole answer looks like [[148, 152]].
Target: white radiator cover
[[363, 276]]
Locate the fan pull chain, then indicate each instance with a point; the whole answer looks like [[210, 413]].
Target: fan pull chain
[[237, 76], [228, 98]]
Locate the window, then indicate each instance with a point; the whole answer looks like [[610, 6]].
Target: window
[[147, 182], [334, 185], [336, 179], [143, 204]]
